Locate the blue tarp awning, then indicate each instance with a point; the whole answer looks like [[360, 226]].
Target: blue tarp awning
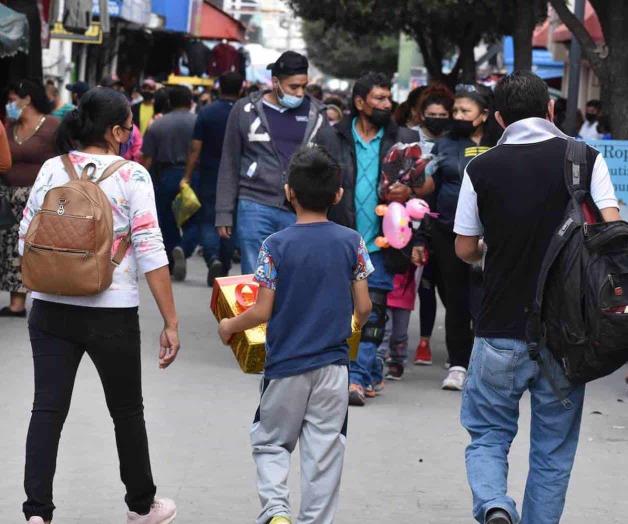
[[543, 64]]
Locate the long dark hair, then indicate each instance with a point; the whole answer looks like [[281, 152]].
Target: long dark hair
[[37, 92], [100, 109]]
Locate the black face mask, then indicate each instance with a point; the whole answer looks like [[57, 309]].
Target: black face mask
[[436, 126], [380, 117], [462, 128], [591, 117], [147, 95]]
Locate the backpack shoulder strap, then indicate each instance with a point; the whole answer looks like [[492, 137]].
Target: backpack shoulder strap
[[69, 167], [111, 170], [577, 176]]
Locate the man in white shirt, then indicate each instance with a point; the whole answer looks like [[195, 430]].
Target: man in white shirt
[[589, 131], [514, 196]]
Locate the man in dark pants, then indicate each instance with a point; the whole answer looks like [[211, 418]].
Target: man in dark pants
[[164, 153], [209, 134], [359, 143]]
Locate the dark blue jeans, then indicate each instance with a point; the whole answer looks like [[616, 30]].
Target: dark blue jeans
[[368, 369], [255, 223], [213, 246], [167, 181]]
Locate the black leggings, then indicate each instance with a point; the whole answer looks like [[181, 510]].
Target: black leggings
[[59, 336], [452, 280], [427, 300]]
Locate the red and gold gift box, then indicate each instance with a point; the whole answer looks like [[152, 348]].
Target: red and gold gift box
[[232, 296]]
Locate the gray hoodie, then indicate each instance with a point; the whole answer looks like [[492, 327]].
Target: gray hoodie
[[250, 166]]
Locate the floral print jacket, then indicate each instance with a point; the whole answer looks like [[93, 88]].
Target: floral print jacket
[[132, 198]]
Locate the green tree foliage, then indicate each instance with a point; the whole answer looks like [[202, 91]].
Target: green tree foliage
[[347, 55], [441, 28], [609, 59]]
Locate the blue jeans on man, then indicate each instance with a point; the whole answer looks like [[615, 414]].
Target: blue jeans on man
[[368, 369], [167, 180], [499, 373], [254, 223], [213, 246]]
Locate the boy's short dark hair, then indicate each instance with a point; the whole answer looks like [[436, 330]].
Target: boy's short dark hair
[[231, 83], [595, 103], [314, 176], [520, 95]]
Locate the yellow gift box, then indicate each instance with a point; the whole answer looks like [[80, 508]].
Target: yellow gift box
[[249, 348]]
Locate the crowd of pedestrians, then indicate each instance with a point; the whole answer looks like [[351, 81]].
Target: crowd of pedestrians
[[290, 180]]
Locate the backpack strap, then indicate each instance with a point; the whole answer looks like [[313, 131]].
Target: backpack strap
[[69, 167], [111, 170], [578, 183], [124, 244], [577, 176]]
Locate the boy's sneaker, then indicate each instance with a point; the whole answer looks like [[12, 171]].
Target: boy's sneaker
[[162, 511], [423, 355], [379, 387], [38, 520], [356, 395], [455, 379], [498, 516], [369, 392], [280, 519], [179, 264], [395, 372]]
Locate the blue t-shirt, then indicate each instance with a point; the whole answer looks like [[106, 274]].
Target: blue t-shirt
[[367, 179], [287, 128], [210, 129], [311, 268]]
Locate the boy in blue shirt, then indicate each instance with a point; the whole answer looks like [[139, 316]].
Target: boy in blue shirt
[[312, 278]]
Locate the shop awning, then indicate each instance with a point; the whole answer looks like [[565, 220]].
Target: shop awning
[[591, 22], [14, 36], [215, 24]]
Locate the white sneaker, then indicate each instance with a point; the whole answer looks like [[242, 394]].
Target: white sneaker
[[38, 520], [455, 379], [162, 511]]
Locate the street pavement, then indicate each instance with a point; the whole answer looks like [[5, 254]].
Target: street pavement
[[405, 456]]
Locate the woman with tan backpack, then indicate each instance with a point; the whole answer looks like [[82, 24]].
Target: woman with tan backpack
[[89, 228]]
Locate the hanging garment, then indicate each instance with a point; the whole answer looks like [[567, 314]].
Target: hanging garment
[[224, 58]]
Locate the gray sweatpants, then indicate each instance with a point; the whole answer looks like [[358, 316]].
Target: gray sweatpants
[[312, 409]]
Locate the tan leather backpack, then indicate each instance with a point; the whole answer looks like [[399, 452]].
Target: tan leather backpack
[[67, 248]]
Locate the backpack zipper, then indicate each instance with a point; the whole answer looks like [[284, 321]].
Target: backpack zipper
[[65, 251], [50, 212]]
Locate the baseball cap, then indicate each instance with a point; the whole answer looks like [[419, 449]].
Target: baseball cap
[[289, 63], [79, 88]]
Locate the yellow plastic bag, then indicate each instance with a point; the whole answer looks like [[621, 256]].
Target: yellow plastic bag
[[185, 205]]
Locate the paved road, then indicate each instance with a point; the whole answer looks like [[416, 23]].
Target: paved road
[[405, 459]]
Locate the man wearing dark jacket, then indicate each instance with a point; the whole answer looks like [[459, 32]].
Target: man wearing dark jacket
[[263, 132], [359, 143]]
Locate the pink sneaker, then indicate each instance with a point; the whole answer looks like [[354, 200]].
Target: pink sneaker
[[38, 520], [162, 511]]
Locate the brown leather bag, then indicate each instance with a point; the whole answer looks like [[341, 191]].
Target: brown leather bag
[[67, 248]]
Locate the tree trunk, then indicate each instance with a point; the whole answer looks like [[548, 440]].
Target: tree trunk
[[522, 34], [614, 85], [467, 62]]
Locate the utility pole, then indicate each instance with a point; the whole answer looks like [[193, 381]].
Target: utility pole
[[575, 59]]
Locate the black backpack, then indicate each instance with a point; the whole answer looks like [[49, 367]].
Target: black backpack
[[580, 312]]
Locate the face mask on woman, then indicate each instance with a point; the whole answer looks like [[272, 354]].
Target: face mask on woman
[[125, 147], [436, 126], [463, 128], [13, 111]]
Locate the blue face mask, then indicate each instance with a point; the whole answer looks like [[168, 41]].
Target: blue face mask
[[13, 111], [126, 146], [288, 101]]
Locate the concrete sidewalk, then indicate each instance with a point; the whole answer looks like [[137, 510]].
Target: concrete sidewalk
[[405, 458]]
